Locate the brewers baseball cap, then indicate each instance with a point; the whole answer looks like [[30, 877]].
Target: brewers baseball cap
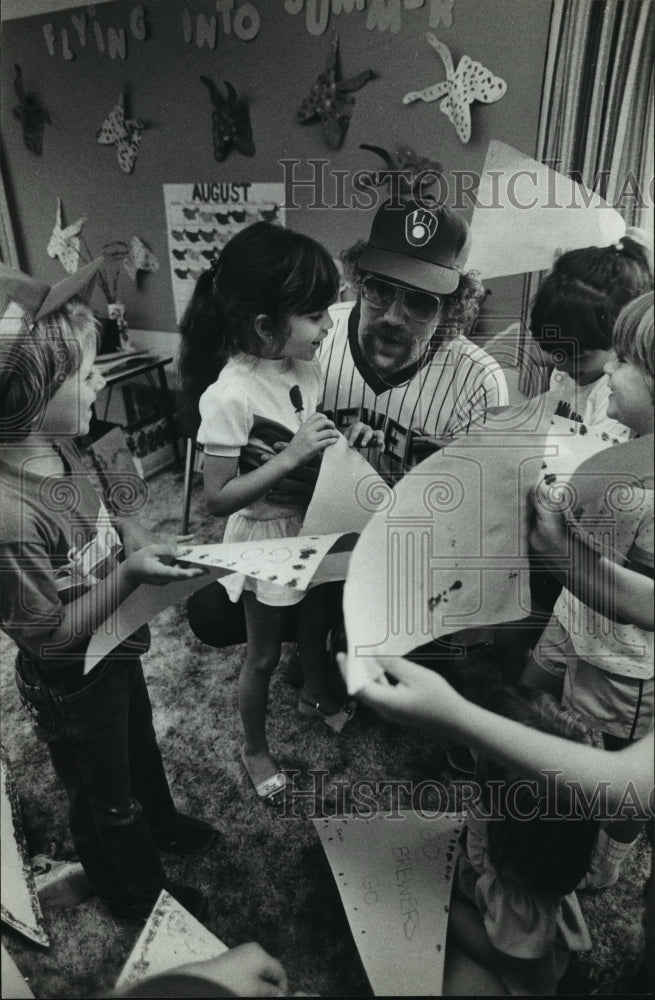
[[23, 295], [424, 246]]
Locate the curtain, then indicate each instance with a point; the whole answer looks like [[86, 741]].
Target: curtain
[[596, 119]]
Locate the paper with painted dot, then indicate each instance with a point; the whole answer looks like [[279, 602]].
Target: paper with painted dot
[[21, 908], [450, 552], [286, 562], [170, 938], [395, 878]]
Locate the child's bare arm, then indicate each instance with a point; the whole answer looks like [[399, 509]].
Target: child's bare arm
[[227, 492], [601, 583], [81, 618], [420, 697]]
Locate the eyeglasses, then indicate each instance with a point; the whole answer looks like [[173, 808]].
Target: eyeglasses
[[419, 306]]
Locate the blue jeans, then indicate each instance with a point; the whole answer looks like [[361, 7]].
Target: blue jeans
[[103, 747]]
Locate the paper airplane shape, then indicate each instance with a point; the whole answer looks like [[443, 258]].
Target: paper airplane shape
[[395, 880], [20, 903], [170, 938], [527, 214], [452, 551]]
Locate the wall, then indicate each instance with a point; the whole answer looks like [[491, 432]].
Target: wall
[[274, 71]]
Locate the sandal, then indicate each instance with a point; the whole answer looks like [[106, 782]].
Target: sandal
[[335, 721], [270, 790]]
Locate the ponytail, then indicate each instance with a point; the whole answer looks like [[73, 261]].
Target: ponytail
[[265, 269], [585, 291], [201, 355]]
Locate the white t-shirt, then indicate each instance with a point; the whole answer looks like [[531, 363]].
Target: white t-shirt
[[442, 395], [586, 404], [258, 397], [618, 649]]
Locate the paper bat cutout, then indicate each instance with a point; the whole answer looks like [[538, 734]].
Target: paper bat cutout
[[330, 99], [65, 243], [469, 82], [124, 133], [230, 122], [32, 116], [405, 159], [139, 258]]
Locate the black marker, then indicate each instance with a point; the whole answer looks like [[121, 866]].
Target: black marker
[[295, 395]]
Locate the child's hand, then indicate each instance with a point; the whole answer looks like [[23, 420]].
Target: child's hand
[[549, 535], [360, 435], [247, 970], [315, 435], [156, 564], [420, 697]]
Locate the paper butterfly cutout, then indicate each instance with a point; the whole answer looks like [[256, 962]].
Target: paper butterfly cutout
[[139, 258], [65, 243], [469, 82], [124, 133], [330, 99], [230, 122], [32, 116], [441, 10], [404, 158]]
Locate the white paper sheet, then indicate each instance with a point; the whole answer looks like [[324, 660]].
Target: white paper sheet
[[287, 562], [527, 213], [452, 551], [395, 879], [348, 491], [144, 604], [20, 903], [170, 938], [14, 986]]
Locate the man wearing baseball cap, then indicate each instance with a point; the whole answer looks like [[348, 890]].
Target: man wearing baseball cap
[[398, 358]]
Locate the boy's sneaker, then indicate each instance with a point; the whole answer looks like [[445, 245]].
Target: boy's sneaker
[[194, 901], [189, 837]]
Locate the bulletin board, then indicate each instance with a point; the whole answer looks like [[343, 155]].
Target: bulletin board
[[77, 63]]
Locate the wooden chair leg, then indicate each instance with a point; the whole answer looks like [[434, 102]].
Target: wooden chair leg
[[189, 462]]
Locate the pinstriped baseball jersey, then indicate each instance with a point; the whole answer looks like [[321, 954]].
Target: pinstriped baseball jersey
[[442, 395]]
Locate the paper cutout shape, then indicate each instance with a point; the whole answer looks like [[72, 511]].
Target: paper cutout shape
[[330, 99], [65, 242], [230, 122], [471, 81], [523, 227], [451, 551], [170, 938], [13, 981], [404, 158], [143, 605], [124, 133], [395, 880], [20, 903], [139, 258], [286, 562], [347, 493], [31, 114], [441, 12], [612, 480]]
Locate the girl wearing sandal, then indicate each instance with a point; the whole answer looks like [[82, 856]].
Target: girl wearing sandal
[[250, 334]]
